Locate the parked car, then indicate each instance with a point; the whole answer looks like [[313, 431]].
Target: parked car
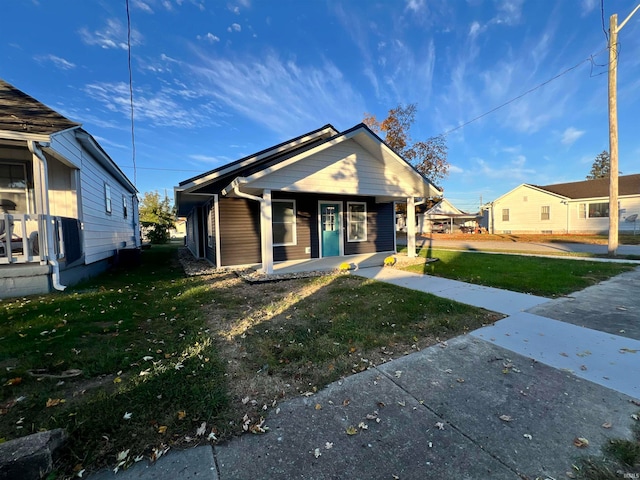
[[440, 227]]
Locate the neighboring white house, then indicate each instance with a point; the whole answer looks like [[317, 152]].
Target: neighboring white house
[[443, 217], [576, 207], [66, 209]]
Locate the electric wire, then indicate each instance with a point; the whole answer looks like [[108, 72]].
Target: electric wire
[[133, 136], [531, 90]]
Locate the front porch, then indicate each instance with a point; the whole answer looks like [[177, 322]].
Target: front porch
[[24, 239], [328, 263]]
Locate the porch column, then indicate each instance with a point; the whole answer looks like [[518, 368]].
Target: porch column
[[411, 227], [266, 232]]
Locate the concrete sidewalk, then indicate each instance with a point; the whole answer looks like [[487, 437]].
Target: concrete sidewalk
[[503, 402]]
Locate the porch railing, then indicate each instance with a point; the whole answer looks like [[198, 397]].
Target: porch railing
[[23, 237]]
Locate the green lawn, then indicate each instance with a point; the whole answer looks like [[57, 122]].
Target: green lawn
[[135, 361], [547, 277]]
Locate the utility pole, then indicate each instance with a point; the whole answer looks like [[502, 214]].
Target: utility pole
[[613, 130]]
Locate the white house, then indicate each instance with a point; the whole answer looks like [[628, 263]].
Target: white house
[[575, 207], [66, 208]]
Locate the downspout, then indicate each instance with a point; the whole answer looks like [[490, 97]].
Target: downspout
[[55, 276]]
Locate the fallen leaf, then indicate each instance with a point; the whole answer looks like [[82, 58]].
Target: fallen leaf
[[581, 442], [505, 418], [398, 373], [439, 425], [182, 414], [117, 380], [212, 437], [527, 436], [328, 445], [122, 455], [52, 402], [127, 415], [351, 430], [317, 453], [628, 350], [13, 381], [606, 425], [363, 426], [162, 429], [346, 402], [318, 406], [147, 358], [460, 380], [200, 431]]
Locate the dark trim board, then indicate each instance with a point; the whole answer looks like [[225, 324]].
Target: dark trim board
[[239, 229]]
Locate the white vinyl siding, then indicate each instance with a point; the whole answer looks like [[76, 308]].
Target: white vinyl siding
[[356, 222], [284, 222], [344, 169], [102, 234]]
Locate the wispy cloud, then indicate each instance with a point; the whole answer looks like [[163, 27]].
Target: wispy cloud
[[113, 35], [570, 135], [208, 159], [397, 72], [58, 62], [588, 6], [142, 5], [209, 37], [234, 27], [168, 107], [281, 95]]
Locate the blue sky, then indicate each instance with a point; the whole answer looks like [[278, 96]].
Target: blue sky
[[217, 80]]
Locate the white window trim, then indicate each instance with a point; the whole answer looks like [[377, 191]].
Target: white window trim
[[508, 215], [358, 240], [542, 213], [210, 222], [125, 207], [108, 206], [295, 222]]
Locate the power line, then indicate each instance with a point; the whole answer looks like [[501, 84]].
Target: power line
[[606, 35], [590, 59], [162, 169], [133, 137]]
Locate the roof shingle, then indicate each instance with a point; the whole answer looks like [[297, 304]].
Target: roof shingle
[[20, 112], [627, 185]]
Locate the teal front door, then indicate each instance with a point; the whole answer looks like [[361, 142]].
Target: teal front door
[[330, 229]]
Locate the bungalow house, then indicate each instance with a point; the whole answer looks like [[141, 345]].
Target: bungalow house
[[575, 207], [66, 209], [325, 193]]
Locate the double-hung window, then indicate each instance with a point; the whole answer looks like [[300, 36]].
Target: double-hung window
[[356, 222], [284, 222], [545, 212], [505, 214], [107, 198]]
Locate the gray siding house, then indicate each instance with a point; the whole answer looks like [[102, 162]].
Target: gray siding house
[[66, 209], [325, 193]]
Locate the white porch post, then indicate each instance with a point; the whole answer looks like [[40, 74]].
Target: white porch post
[[411, 227], [266, 232]]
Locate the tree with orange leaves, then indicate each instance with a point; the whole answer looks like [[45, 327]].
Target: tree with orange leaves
[[429, 156]]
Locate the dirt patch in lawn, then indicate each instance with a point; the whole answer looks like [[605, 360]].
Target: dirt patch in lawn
[[285, 339]]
